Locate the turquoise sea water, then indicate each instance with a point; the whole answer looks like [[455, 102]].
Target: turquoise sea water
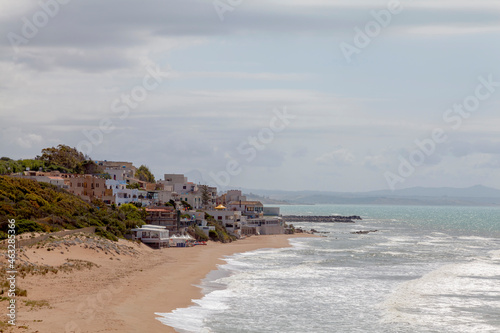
[[426, 269]]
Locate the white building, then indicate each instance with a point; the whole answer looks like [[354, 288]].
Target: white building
[[192, 198], [271, 211], [252, 209], [118, 170], [53, 178], [179, 183], [231, 220], [125, 195], [264, 226], [235, 195], [152, 235], [203, 225]]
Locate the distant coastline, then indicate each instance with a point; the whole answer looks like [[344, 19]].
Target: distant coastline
[[417, 196]]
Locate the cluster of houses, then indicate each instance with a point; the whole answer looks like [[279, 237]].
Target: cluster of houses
[[172, 204]]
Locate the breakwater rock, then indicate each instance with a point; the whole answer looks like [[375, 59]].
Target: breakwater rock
[[363, 232], [316, 218]]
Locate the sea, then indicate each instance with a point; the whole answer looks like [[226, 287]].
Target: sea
[[425, 269]]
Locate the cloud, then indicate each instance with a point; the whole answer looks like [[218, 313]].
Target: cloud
[[376, 162], [241, 75], [465, 148], [18, 137], [29, 140], [339, 157], [299, 152], [227, 77], [493, 162]]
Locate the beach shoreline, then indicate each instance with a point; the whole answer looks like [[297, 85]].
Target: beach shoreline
[[124, 293]]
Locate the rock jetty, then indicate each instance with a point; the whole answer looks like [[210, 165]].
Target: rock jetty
[[318, 218], [363, 232]]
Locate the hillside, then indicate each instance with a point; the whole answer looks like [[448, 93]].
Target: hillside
[[265, 199], [471, 196], [43, 207]]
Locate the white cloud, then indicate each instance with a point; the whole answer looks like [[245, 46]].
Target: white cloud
[[450, 30], [17, 137], [29, 140], [241, 75], [340, 157]]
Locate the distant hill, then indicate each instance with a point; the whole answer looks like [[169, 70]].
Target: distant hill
[[42, 207], [265, 199], [471, 196], [477, 191]]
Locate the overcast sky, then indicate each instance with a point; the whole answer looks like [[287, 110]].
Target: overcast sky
[[218, 73]]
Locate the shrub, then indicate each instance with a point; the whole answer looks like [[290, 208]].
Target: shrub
[[213, 235], [42, 207], [23, 226], [105, 234], [197, 233]]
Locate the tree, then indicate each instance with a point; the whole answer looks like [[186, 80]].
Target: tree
[[172, 203], [186, 205], [67, 159], [64, 156], [134, 186], [144, 174], [205, 195], [90, 167]]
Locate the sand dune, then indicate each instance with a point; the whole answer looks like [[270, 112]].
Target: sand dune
[[102, 286]]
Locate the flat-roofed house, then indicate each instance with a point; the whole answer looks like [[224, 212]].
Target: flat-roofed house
[[152, 235], [252, 209]]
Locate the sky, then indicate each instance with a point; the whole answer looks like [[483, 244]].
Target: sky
[[347, 95]]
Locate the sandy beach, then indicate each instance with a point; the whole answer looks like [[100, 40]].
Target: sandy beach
[[128, 284]]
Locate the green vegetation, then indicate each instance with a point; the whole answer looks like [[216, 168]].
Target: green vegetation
[[8, 165], [205, 195], [144, 174], [37, 304], [134, 186], [6, 285], [213, 235], [220, 233], [38, 207], [4, 325], [61, 158], [197, 233], [186, 205]]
